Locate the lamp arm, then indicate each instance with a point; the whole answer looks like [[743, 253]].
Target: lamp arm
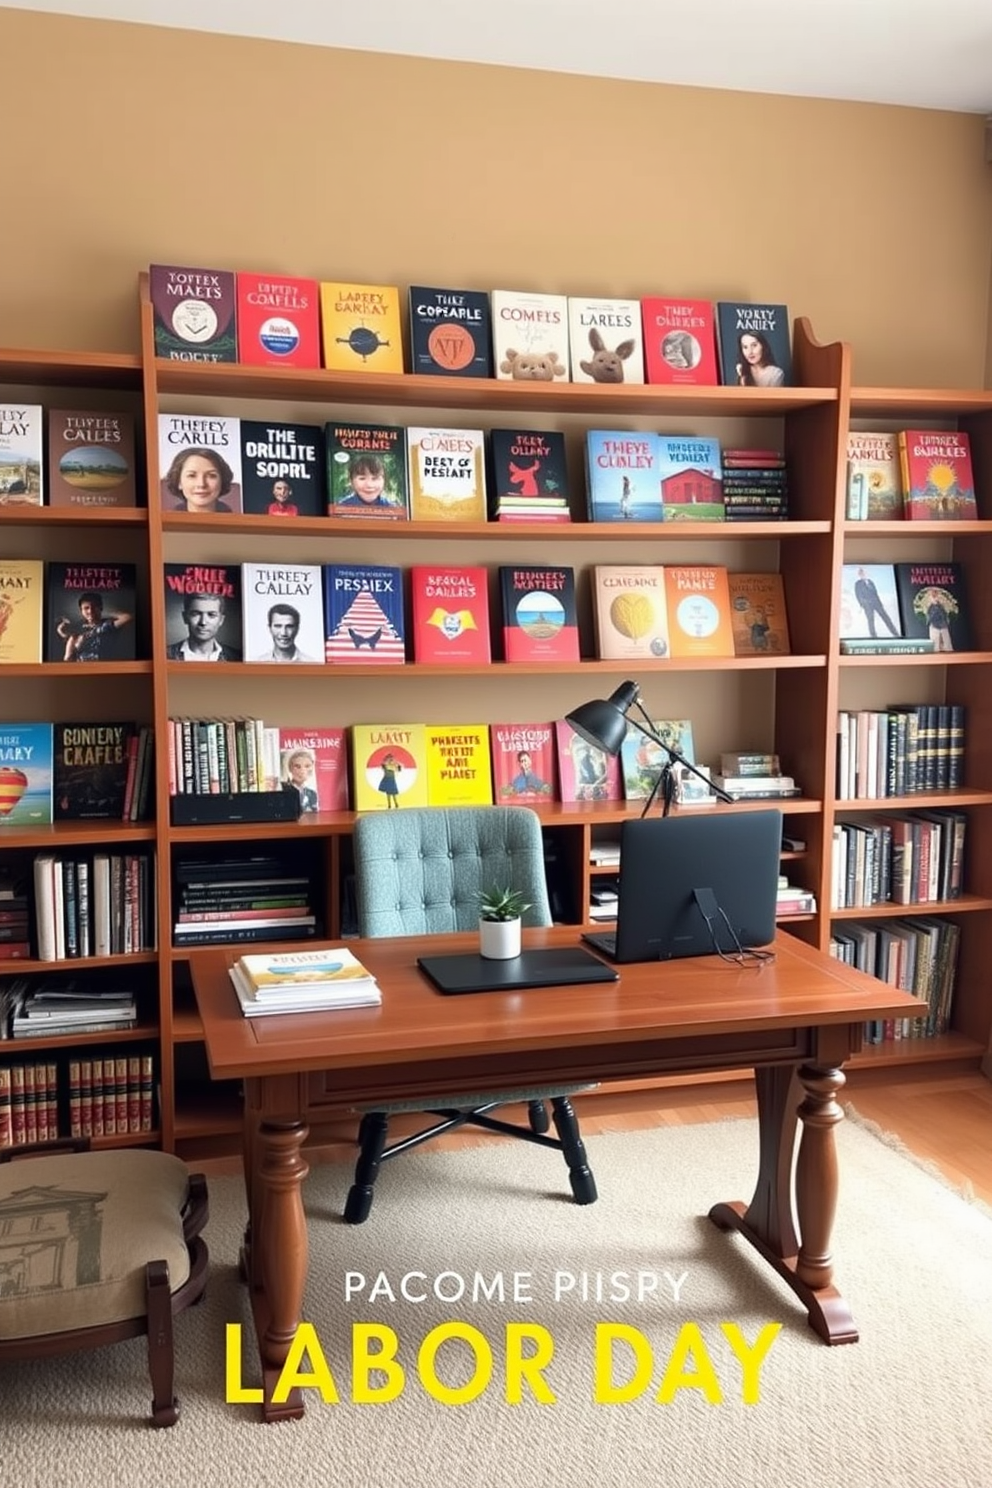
[[675, 757]]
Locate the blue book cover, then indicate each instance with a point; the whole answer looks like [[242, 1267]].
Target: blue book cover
[[622, 476], [754, 344], [691, 478], [642, 760], [25, 774], [363, 613]]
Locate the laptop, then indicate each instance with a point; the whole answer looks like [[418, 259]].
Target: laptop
[[694, 886], [554, 966]]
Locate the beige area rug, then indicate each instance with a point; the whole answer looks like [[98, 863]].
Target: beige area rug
[[910, 1404]]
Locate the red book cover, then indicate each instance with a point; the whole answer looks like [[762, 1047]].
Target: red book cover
[[585, 772], [523, 757], [450, 613], [278, 321], [679, 341], [539, 621], [937, 479], [314, 761]]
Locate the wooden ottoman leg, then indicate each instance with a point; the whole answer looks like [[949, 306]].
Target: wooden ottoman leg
[[161, 1354]]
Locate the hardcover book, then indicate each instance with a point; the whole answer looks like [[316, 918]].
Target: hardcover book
[[874, 491], [363, 614], [938, 483], [630, 611], [679, 341], [527, 468], [530, 336], [459, 772], [869, 602], [314, 762], [585, 773], [203, 611], [278, 321], [366, 471], [195, 313], [282, 469], [523, 762], [604, 340], [91, 459], [21, 609], [389, 765], [699, 616], [622, 480], [642, 760], [450, 334], [199, 462], [90, 769], [933, 604], [21, 443], [758, 615], [691, 478], [90, 610], [539, 619], [754, 344], [447, 474], [360, 327], [450, 613], [283, 613], [25, 774]]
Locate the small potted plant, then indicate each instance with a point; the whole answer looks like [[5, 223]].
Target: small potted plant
[[499, 922]]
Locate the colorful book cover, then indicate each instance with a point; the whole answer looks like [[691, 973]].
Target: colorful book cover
[[363, 614], [755, 347], [447, 474], [25, 774], [539, 617], [622, 483], [22, 591], [642, 760], [630, 611], [604, 340], [282, 469], [933, 604], [91, 459], [524, 762], [527, 466], [450, 607], [691, 478], [679, 341], [90, 769], [360, 327], [278, 321], [874, 489], [314, 762], [89, 610], [758, 614], [366, 471], [283, 613], [21, 444], [459, 772], [195, 313], [530, 336], [199, 462], [869, 601], [450, 332], [698, 600], [585, 773], [389, 765], [938, 484], [203, 611]]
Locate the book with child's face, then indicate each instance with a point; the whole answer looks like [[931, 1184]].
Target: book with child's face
[[366, 471]]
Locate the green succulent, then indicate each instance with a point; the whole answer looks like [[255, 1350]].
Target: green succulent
[[502, 904]]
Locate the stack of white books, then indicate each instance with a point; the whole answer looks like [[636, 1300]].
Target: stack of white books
[[303, 982]]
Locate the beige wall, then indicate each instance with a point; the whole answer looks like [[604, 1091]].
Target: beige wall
[[128, 143]]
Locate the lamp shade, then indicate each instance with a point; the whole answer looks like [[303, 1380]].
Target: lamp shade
[[603, 722]]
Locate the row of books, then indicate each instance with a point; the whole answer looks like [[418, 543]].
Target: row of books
[[75, 771], [920, 474], [904, 607], [100, 904], [900, 751], [302, 982], [262, 896], [29, 1104], [104, 1098], [913, 859], [32, 1007], [918, 955]]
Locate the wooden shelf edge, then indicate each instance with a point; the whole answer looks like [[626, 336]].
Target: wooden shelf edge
[[945, 1046], [560, 532]]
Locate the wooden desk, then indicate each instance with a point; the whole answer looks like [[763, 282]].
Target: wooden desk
[[795, 1020]]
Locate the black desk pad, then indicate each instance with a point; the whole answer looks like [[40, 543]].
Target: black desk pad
[[556, 966]]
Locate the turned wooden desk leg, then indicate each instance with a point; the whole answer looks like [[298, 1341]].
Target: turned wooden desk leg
[[279, 1251], [816, 1173]]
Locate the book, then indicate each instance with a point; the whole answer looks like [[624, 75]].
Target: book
[[526, 469], [22, 590], [282, 469], [869, 602], [604, 340], [21, 443], [622, 481], [282, 612], [697, 598], [539, 616], [366, 471], [524, 760], [389, 766], [314, 762], [754, 344], [278, 321], [303, 1001], [447, 475], [203, 611], [642, 760], [363, 614], [753, 762], [195, 313], [679, 341], [90, 769], [459, 771], [884, 646], [360, 327], [691, 478], [585, 773], [758, 615], [450, 332], [933, 604], [938, 483], [91, 459], [271, 975], [199, 463], [89, 612], [630, 611], [530, 336], [25, 774], [450, 613], [874, 490]]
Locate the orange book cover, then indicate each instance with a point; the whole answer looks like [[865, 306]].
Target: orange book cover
[[699, 615], [360, 326], [758, 614]]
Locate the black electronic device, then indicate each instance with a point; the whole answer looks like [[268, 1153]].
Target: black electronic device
[[235, 806], [553, 966]]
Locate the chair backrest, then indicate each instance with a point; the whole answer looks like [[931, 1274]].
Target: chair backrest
[[420, 871]]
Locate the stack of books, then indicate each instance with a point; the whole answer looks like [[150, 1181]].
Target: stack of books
[[303, 982], [754, 777], [53, 1009]]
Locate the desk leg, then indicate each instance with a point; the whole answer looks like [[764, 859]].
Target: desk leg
[[276, 1260]]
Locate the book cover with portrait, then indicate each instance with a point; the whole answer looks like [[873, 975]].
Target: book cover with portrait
[[869, 601], [539, 616], [389, 766], [642, 760], [21, 444], [203, 611], [91, 459], [366, 471], [622, 481], [933, 604], [679, 341], [199, 463], [195, 313], [755, 347], [363, 614], [90, 612], [278, 321], [282, 469], [283, 613], [450, 332], [314, 762], [585, 773], [524, 762]]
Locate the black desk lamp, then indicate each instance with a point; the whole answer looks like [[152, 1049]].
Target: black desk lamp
[[603, 723]]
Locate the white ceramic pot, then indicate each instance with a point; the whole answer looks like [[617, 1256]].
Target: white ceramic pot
[[499, 940]]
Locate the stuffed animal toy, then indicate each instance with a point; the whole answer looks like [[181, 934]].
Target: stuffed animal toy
[[606, 365], [533, 366]]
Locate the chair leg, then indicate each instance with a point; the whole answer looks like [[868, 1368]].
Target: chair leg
[[161, 1353], [537, 1115], [372, 1137], [579, 1173]]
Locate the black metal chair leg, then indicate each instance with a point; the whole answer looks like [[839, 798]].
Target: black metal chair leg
[[372, 1137], [537, 1115], [579, 1172]]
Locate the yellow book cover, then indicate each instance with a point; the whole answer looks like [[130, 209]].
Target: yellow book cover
[[389, 765], [447, 475], [21, 605], [698, 600], [458, 765], [302, 969], [360, 326], [758, 614]]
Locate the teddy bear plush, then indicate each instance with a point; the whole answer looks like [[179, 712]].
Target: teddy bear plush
[[532, 366], [606, 365]]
